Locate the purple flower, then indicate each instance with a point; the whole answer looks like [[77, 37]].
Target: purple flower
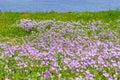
[[108, 76], [47, 74]]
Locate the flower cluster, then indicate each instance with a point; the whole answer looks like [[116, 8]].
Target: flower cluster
[[27, 24], [68, 50]]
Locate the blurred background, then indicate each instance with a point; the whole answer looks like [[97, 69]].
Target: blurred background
[[58, 5]]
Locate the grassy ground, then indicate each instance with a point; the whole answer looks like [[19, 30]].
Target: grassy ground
[[8, 19], [83, 44]]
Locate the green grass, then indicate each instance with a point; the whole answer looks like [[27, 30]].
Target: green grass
[[8, 19]]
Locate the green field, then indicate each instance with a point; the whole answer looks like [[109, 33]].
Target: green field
[[8, 19], [60, 45]]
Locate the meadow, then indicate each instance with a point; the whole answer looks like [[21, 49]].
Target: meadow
[[60, 46]]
